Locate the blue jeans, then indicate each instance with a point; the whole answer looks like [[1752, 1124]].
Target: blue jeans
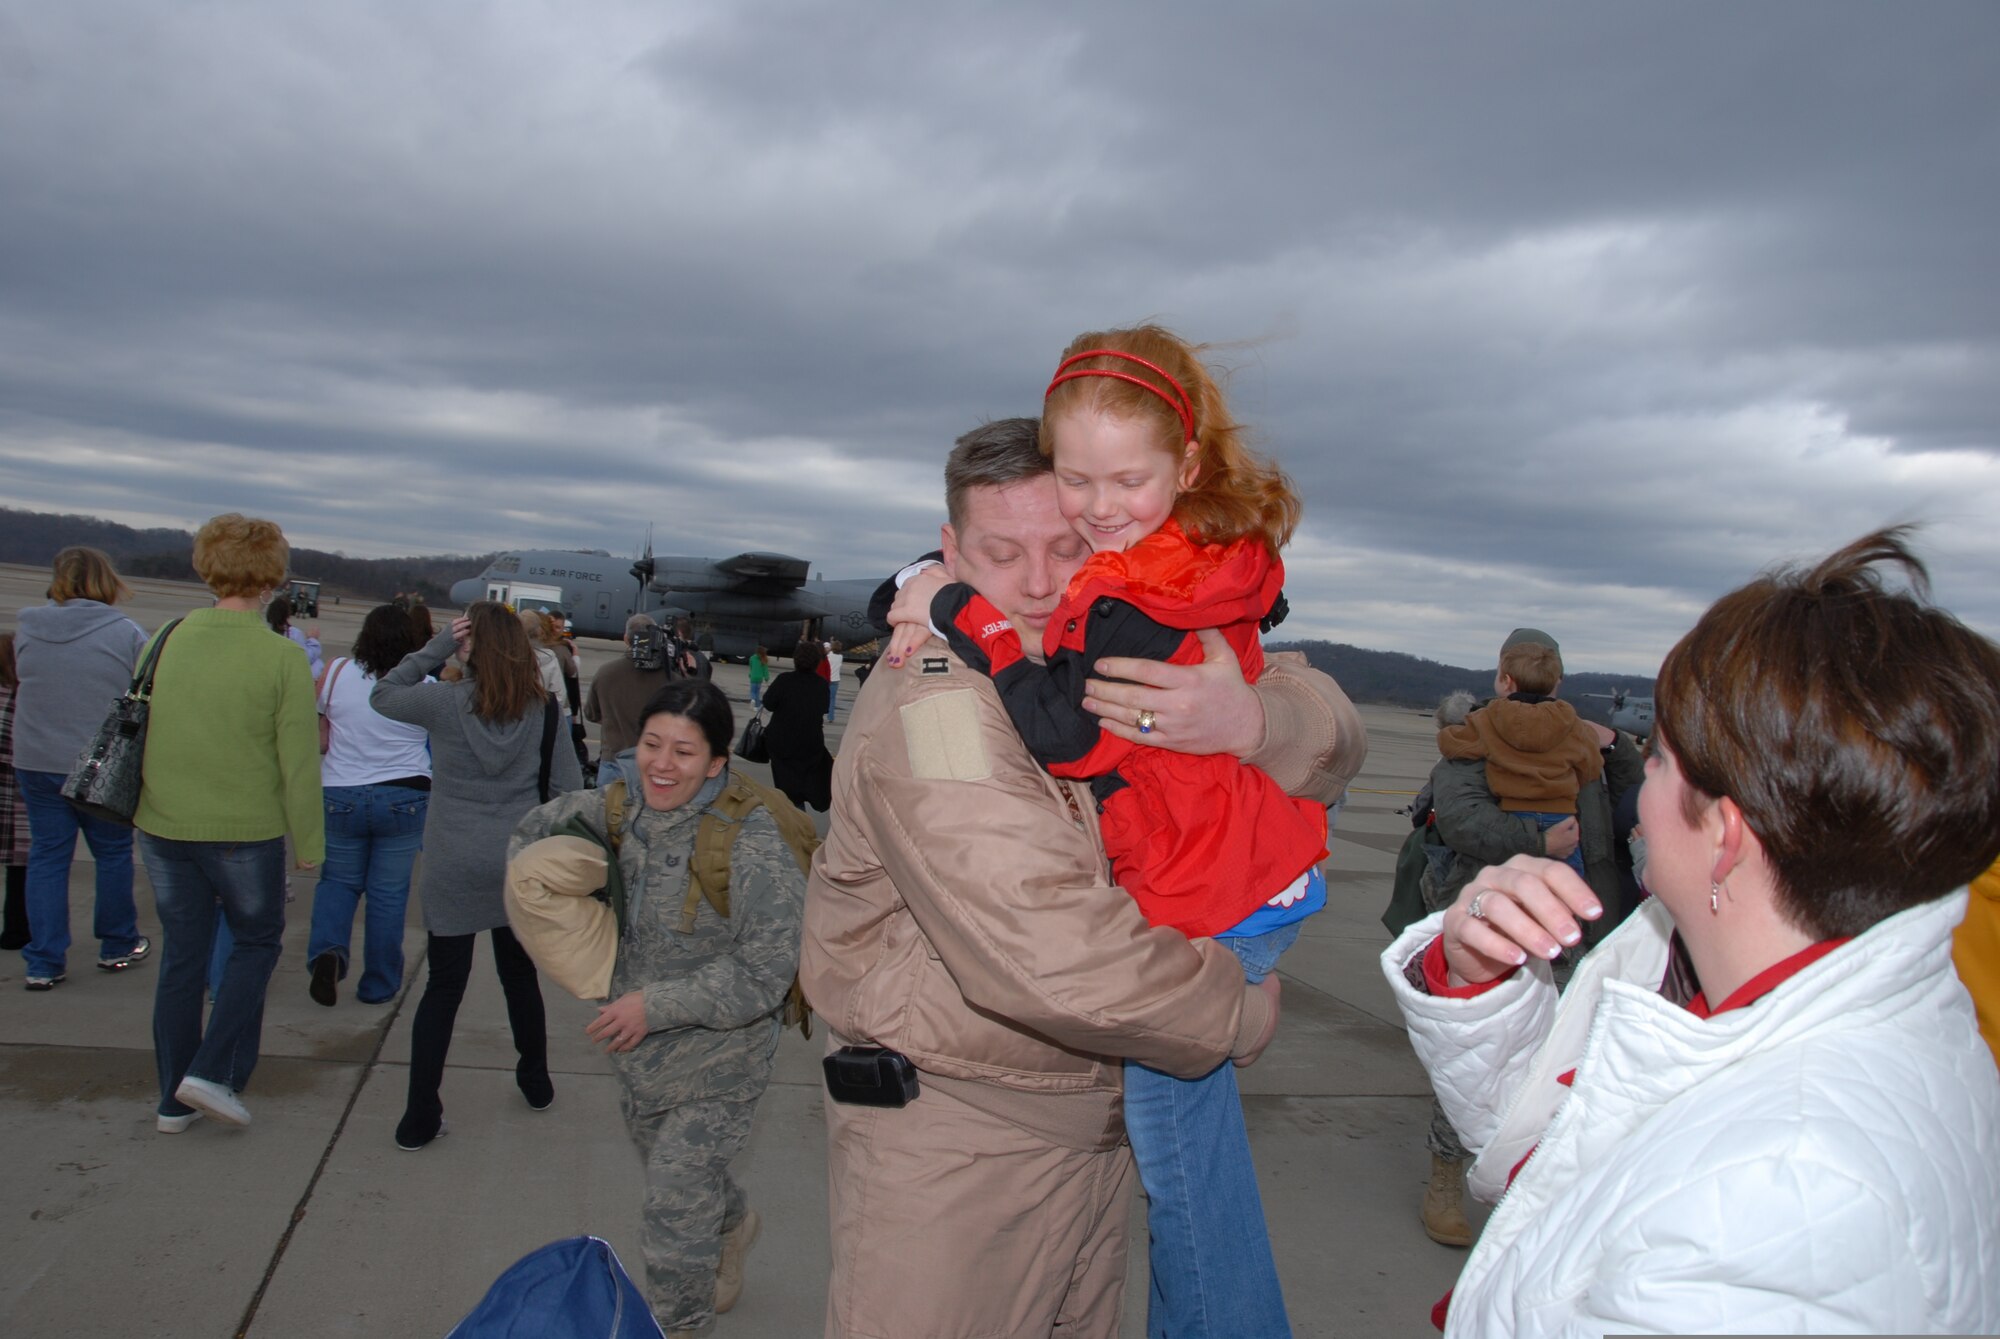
[[1210, 1252], [756, 695], [373, 834], [832, 697], [53, 823], [1259, 954], [1546, 821], [192, 881]]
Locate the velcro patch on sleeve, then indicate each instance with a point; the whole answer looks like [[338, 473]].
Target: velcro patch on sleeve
[[942, 734]]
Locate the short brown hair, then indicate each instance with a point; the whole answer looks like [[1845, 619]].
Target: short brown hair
[[506, 680], [1857, 728], [992, 455], [82, 573], [807, 654], [1533, 667], [238, 555]]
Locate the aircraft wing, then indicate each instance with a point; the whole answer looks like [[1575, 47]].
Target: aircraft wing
[[766, 569]]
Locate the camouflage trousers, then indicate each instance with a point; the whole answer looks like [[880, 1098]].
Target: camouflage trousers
[[691, 1201], [1442, 1139]]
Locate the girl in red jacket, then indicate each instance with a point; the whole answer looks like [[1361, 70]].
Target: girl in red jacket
[[1185, 524]]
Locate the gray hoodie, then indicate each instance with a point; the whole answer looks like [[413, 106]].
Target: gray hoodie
[[75, 659], [484, 778]]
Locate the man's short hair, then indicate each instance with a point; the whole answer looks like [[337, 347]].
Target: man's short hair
[[992, 455], [1535, 667], [639, 623], [1454, 707]]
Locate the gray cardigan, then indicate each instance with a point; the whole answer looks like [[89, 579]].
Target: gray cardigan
[[75, 659], [483, 782]]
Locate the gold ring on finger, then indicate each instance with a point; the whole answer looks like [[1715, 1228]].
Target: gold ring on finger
[[1146, 719]]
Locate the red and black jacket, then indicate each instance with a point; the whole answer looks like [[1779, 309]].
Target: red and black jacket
[[1200, 841]]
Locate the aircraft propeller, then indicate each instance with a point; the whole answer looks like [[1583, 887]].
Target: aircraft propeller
[[643, 569]]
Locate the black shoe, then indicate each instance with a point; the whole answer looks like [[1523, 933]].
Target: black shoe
[[410, 1136], [537, 1088], [325, 979]]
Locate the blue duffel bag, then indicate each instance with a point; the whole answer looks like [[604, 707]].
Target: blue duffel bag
[[569, 1289]]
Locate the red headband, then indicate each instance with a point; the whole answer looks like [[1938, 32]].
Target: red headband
[[1183, 406]]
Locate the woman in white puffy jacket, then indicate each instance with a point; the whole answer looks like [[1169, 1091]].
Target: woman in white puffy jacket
[[1762, 1105]]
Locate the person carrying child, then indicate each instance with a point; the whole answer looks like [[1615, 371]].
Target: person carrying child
[[1538, 752], [1184, 524]]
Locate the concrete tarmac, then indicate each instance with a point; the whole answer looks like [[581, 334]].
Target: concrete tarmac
[[312, 1223]]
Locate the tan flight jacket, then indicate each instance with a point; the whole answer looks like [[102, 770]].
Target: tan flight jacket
[[961, 910]]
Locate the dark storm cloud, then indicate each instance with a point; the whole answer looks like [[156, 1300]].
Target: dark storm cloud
[[1579, 311]]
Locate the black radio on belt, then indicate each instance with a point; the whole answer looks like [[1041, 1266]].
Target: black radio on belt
[[870, 1076]]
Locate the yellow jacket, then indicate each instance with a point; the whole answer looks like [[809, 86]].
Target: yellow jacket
[[1976, 950]]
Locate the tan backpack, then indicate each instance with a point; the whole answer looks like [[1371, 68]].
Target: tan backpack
[[708, 869]]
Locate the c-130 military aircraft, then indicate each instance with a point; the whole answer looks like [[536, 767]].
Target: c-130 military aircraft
[[741, 603]]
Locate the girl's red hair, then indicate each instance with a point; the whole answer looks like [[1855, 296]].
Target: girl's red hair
[[1236, 492]]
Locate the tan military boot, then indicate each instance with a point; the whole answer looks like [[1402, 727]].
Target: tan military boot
[[1444, 1204], [729, 1273]]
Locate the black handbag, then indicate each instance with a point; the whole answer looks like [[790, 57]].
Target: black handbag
[[751, 747], [107, 776]]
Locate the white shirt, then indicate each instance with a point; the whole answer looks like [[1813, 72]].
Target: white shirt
[[366, 747]]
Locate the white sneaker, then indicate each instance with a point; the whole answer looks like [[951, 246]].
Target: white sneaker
[[212, 1099], [177, 1124]]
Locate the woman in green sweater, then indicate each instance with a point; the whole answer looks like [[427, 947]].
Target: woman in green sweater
[[232, 765]]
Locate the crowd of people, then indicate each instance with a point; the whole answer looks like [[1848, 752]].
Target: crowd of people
[[1733, 1083]]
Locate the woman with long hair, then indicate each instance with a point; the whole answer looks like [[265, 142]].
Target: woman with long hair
[[1761, 1104], [74, 656], [376, 777], [496, 753], [232, 766]]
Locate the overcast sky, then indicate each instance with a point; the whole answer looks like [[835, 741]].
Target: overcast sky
[[1565, 314]]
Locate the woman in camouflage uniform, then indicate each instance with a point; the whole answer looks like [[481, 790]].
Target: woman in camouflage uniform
[[693, 1013]]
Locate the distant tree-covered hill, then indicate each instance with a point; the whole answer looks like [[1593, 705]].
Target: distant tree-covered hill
[[34, 537], [1394, 679]]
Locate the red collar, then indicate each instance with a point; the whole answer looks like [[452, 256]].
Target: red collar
[[1766, 981]]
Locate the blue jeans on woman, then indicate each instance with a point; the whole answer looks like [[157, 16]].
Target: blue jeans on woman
[[1210, 1252], [373, 834], [192, 882], [53, 823]]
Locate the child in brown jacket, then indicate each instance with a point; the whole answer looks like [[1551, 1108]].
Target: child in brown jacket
[[1538, 752]]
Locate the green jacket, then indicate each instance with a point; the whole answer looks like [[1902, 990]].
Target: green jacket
[[1470, 820], [232, 743]]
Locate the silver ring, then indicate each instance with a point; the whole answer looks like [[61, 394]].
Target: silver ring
[[1146, 719], [1473, 908]]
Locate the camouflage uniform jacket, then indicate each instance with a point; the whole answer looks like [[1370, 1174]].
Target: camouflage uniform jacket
[[712, 997]]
